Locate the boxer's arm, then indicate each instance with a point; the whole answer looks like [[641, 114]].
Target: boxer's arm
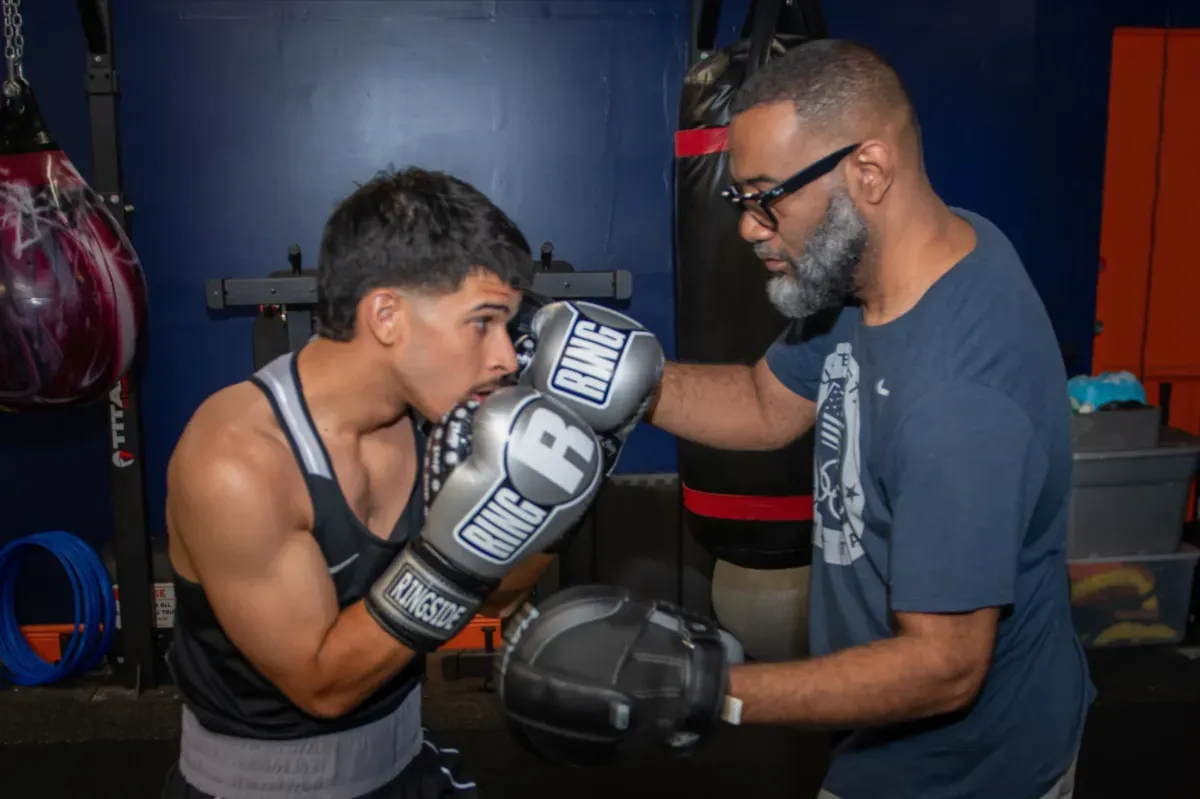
[[270, 589], [732, 407]]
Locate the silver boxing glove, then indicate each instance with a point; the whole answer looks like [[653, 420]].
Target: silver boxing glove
[[505, 478], [600, 363], [520, 330]]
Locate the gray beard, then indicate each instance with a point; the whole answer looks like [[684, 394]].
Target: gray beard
[[824, 274]]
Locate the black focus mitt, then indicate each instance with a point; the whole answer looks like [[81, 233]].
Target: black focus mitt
[[592, 674]]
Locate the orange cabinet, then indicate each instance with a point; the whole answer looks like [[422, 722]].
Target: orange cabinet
[[1148, 294]]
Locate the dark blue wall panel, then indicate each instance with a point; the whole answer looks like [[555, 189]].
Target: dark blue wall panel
[[970, 70], [244, 121], [561, 112]]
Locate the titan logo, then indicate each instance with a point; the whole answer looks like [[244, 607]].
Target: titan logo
[[588, 361], [425, 604], [116, 418]]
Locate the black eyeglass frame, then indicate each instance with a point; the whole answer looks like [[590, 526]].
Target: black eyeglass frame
[[764, 199]]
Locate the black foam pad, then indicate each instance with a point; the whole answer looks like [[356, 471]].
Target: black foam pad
[[593, 673]]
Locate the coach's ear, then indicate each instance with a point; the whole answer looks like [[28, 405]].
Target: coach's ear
[[870, 171]]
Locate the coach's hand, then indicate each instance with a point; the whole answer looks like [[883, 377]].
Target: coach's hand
[[592, 673], [603, 365], [505, 477]]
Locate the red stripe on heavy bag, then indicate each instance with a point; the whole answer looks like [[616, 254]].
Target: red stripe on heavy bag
[[72, 292], [752, 509]]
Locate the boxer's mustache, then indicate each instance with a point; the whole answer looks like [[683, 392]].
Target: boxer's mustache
[[484, 389]]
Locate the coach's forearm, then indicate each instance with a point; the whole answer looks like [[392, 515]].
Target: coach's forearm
[[714, 405], [889, 681]]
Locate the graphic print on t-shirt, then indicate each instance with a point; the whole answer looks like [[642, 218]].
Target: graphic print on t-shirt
[[838, 501]]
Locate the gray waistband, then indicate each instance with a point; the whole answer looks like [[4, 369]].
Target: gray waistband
[[341, 765]]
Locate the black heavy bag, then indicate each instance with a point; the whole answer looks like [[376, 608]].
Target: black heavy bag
[[752, 509]]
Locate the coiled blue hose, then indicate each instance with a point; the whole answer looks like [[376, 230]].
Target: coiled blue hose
[[95, 610]]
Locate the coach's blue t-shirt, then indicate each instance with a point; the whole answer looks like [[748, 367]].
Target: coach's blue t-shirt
[[942, 471]]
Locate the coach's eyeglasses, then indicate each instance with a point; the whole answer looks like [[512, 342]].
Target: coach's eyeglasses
[[758, 204]]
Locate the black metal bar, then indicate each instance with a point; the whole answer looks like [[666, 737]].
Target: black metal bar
[[252, 291], [1164, 402], [299, 327], [469, 664], [705, 20], [134, 646], [615, 285], [697, 19], [223, 293]]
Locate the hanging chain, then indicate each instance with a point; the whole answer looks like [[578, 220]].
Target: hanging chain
[[14, 46]]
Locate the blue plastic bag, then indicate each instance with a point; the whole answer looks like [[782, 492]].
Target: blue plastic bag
[[1090, 393]]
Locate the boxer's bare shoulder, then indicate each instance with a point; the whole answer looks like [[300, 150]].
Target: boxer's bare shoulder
[[236, 416], [232, 453]]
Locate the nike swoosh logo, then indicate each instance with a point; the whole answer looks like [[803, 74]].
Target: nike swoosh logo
[[343, 564], [880, 390]]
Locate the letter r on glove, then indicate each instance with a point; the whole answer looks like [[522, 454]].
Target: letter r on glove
[[543, 447]]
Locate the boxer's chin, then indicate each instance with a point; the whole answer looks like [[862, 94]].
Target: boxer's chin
[[435, 409]]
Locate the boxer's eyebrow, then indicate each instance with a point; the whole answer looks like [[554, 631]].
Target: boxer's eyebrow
[[492, 306]]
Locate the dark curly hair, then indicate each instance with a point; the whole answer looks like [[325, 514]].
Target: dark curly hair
[[830, 82], [412, 229]]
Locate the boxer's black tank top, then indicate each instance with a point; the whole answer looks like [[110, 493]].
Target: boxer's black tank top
[[214, 679]]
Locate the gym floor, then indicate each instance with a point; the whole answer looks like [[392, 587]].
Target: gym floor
[[1142, 740]]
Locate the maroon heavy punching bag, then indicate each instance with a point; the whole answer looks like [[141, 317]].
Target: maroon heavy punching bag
[[72, 292], [751, 509]]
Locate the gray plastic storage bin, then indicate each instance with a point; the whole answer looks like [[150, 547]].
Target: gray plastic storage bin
[[1128, 428], [1131, 502], [1133, 601]]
